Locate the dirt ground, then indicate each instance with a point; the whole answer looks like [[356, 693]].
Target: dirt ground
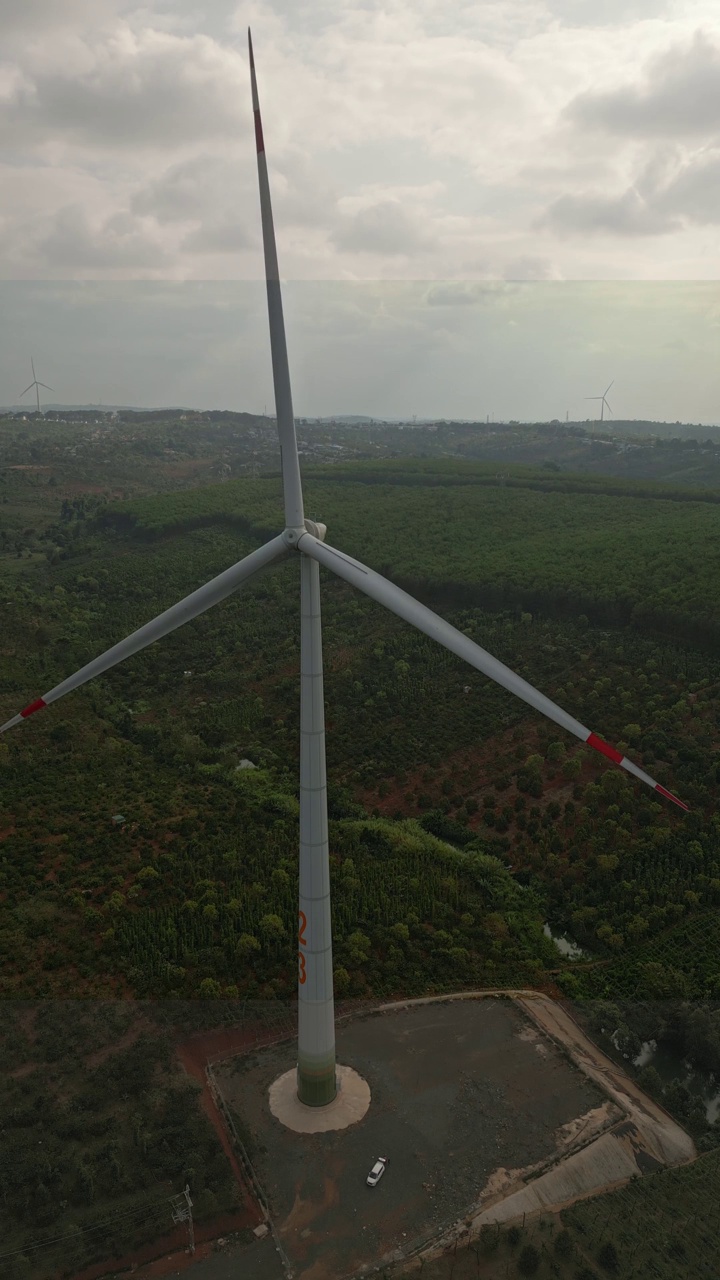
[[216, 1260], [459, 1088]]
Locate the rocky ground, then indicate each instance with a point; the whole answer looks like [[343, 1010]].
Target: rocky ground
[[459, 1088]]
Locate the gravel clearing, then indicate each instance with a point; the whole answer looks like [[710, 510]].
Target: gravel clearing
[[459, 1089]]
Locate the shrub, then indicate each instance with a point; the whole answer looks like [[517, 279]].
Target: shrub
[[489, 1237]]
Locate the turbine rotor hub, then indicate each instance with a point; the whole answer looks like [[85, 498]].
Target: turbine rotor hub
[[291, 535]]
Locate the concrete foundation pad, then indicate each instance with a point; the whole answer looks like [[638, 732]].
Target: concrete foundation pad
[[349, 1105]]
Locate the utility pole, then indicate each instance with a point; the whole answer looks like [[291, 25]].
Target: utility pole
[[182, 1212]]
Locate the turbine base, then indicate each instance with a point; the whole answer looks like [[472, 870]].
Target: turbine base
[[349, 1105], [317, 1089]]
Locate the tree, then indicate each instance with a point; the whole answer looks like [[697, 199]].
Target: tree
[[210, 989], [529, 1260], [563, 1244], [246, 944], [608, 1257], [272, 927], [358, 947]]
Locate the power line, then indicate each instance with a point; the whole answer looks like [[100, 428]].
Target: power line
[[142, 1210]]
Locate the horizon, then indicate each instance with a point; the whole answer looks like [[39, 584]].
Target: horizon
[[355, 419]]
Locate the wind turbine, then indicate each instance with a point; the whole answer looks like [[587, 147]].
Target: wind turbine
[[604, 405], [316, 1077], [37, 385]]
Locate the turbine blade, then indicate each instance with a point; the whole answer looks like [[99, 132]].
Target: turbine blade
[[45, 385], [24, 393], [32, 366], [607, 406], [289, 461], [193, 605], [418, 615], [608, 388]]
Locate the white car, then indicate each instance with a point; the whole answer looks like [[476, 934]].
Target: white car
[[377, 1171]]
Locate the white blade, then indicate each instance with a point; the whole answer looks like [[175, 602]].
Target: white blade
[[405, 606], [45, 385], [290, 463], [193, 605], [24, 393]]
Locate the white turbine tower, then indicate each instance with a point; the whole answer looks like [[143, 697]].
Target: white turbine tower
[[604, 404], [37, 385], [317, 1081]]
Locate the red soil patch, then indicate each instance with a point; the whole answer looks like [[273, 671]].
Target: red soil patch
[[175, 1256], [26, 1069], [194, 1054]]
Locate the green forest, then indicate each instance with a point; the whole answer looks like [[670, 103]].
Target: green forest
[[139, 860], [643, 555]]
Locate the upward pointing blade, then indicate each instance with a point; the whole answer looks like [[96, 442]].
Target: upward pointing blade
[[405, 606], [193, 605], [290, 464]]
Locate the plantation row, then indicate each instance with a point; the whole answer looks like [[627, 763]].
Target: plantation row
[[618, 559]]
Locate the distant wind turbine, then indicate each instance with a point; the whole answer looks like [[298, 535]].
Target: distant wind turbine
[[37, 385], [604, 405], [303, 540]]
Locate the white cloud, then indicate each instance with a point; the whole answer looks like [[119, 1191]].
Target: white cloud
[[381, 228], [45, 17], [591, 213], [529, 267], [694, 191], [680, 96], [224, 236], [121, 242], [409, 138], [143, 89]]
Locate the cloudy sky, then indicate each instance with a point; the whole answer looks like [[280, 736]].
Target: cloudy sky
[[493, 206]]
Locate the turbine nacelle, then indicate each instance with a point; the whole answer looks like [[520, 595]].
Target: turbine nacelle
[[317, 530]]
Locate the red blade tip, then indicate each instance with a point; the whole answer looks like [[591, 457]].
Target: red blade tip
[[259, 133], [604, 748], [669, 796], [37, 705]]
